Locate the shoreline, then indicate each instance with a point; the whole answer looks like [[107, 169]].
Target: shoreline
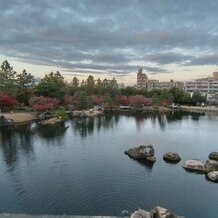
[[196, 109], [20, 117], [26, 117]]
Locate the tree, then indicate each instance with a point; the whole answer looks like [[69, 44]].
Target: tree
[[90, 84], [139, 101], [25, 82], [97, 100], [197, 98], [166, 97], [82, 101], [43, 103], [7, 78], [7, 102], [123, 100], [52, 85], [180, 96], [61, 113]]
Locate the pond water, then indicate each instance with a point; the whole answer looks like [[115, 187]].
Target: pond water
[[81, 169]]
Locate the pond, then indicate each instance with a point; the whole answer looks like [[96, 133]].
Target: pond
[[80, 168]]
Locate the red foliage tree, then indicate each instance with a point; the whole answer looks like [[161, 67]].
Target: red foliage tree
[[43, 103], [139, 101], [123, 100], [97, 100], [7, 101]]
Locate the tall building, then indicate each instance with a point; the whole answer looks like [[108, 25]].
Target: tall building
[[142, 79]]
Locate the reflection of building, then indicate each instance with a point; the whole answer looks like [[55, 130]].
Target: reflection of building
[[142, 79], [205, 86]]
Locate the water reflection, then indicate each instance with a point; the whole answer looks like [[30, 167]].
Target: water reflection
[[51, 132], [13, 140], [86, 126]]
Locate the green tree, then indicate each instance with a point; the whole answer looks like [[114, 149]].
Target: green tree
[[197, 98], [61, 113], [90, 84], [25, 83], [8, 79], [166, 97], [52, 85], [74, 85], [82, 101]]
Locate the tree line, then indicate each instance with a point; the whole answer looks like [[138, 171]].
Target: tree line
[[52, 91]]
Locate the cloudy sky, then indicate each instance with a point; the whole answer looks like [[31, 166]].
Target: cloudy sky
[[171, 39]]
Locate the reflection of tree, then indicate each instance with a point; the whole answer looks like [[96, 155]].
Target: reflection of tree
[[51, 131], [13, 140], [84, 126]]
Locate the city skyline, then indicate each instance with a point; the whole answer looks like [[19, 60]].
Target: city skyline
[[170, 39]]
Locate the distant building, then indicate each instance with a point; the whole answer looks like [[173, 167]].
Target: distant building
[[144, 82], [206, 86], [215, 75], [142, 79], [155, 84]]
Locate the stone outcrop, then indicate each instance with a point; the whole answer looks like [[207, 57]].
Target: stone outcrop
[[213, 156], [157, 212], [213, 176], [6, 122], [52, 121], [172, 157], [194, 165], [142, 152], [211, 165], [86, 113]]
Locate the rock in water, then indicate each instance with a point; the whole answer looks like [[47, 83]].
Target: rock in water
[[152, 159], [172, 157], [213, 176], [213, 155], [141, 214], [194, 165], [211, 165], [143, 151], [160, 212], [157, 212]]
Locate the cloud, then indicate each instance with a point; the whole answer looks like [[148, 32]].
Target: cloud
[[109, 36], [167, 58]]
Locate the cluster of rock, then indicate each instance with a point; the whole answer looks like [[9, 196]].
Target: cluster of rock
[[86, 113], [210, 168], [157, 212]]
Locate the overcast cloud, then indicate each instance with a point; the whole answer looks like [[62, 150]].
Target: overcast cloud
[[111, 37]]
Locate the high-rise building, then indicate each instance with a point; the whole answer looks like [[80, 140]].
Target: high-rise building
[[142, 79]]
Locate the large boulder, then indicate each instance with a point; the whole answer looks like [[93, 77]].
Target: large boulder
[[213, 176], [211, 165], [160, 212], [194, 165], [141, 152], [141, 214], [213, 155], [172, 157], [157, 212]]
